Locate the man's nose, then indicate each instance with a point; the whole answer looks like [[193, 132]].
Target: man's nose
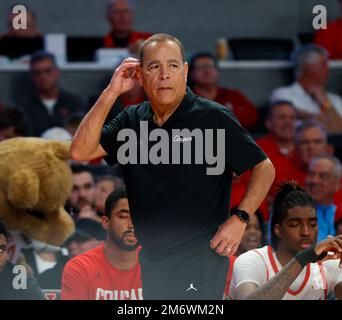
[[130, 224], [314, 179], [163, 73], [305, 231]]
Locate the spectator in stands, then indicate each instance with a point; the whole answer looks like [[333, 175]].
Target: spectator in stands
[[30, 31], [278, 144], [47, 105], [322, 183], [331, 38], [17, 42], [308, 93], [47, 264], [310, 141], [203, 80], [7, 276], [110, 271], [104, 186], [84, 239], [12, 124], [82, 198], [253, 237], [294, 267], [88, 235], [120, 16]]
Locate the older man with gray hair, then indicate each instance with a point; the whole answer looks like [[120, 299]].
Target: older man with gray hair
[[322, 182], [120, 15], [308, 93]]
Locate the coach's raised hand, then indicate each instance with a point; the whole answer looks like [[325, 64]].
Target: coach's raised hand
[[124, 76], [85, 145]]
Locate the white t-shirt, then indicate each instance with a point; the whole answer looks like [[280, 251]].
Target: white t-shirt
[[49, 104], [315, 281], [43, 265], [302, 100]]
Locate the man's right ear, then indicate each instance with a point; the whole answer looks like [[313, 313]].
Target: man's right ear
[[138, 75], [105, 222]]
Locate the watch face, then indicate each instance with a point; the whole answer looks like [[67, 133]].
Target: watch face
[[243, 215]]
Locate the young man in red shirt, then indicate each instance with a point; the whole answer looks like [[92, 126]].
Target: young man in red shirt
[[110, 271]]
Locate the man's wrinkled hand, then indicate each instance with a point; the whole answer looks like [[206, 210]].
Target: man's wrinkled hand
[[228, 236]]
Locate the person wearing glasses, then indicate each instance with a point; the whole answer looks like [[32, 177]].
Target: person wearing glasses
[[46, 105]]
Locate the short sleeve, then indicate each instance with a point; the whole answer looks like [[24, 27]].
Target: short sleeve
[[249, 267], [241, 151], [74, 281], [108, 139]]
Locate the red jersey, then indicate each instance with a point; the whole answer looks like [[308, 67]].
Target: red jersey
[[283, 163], [239, 188], [108, 40], [90, 276], [331, 39]]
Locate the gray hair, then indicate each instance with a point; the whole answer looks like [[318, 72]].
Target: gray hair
[[310, 124], [334, 160], [307, 54], [160, 37]]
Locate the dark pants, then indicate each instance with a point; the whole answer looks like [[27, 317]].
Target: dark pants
[[192, 271]]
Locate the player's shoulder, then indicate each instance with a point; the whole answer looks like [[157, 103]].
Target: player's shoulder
[[331, 265], [253, 256]]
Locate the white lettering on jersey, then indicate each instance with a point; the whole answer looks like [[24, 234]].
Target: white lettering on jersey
[[102, 294]]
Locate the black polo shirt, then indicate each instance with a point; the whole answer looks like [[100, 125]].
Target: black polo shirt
[[172, 204]]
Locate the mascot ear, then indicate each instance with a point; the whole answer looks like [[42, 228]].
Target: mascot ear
[[61, 149], [23, 189]]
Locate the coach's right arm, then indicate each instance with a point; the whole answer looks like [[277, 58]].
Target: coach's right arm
[[85, 144]]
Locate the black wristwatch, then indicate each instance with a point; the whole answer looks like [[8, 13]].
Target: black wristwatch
[[243, 215]]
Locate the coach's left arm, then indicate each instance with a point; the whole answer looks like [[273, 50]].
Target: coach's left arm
[[228, 237]]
